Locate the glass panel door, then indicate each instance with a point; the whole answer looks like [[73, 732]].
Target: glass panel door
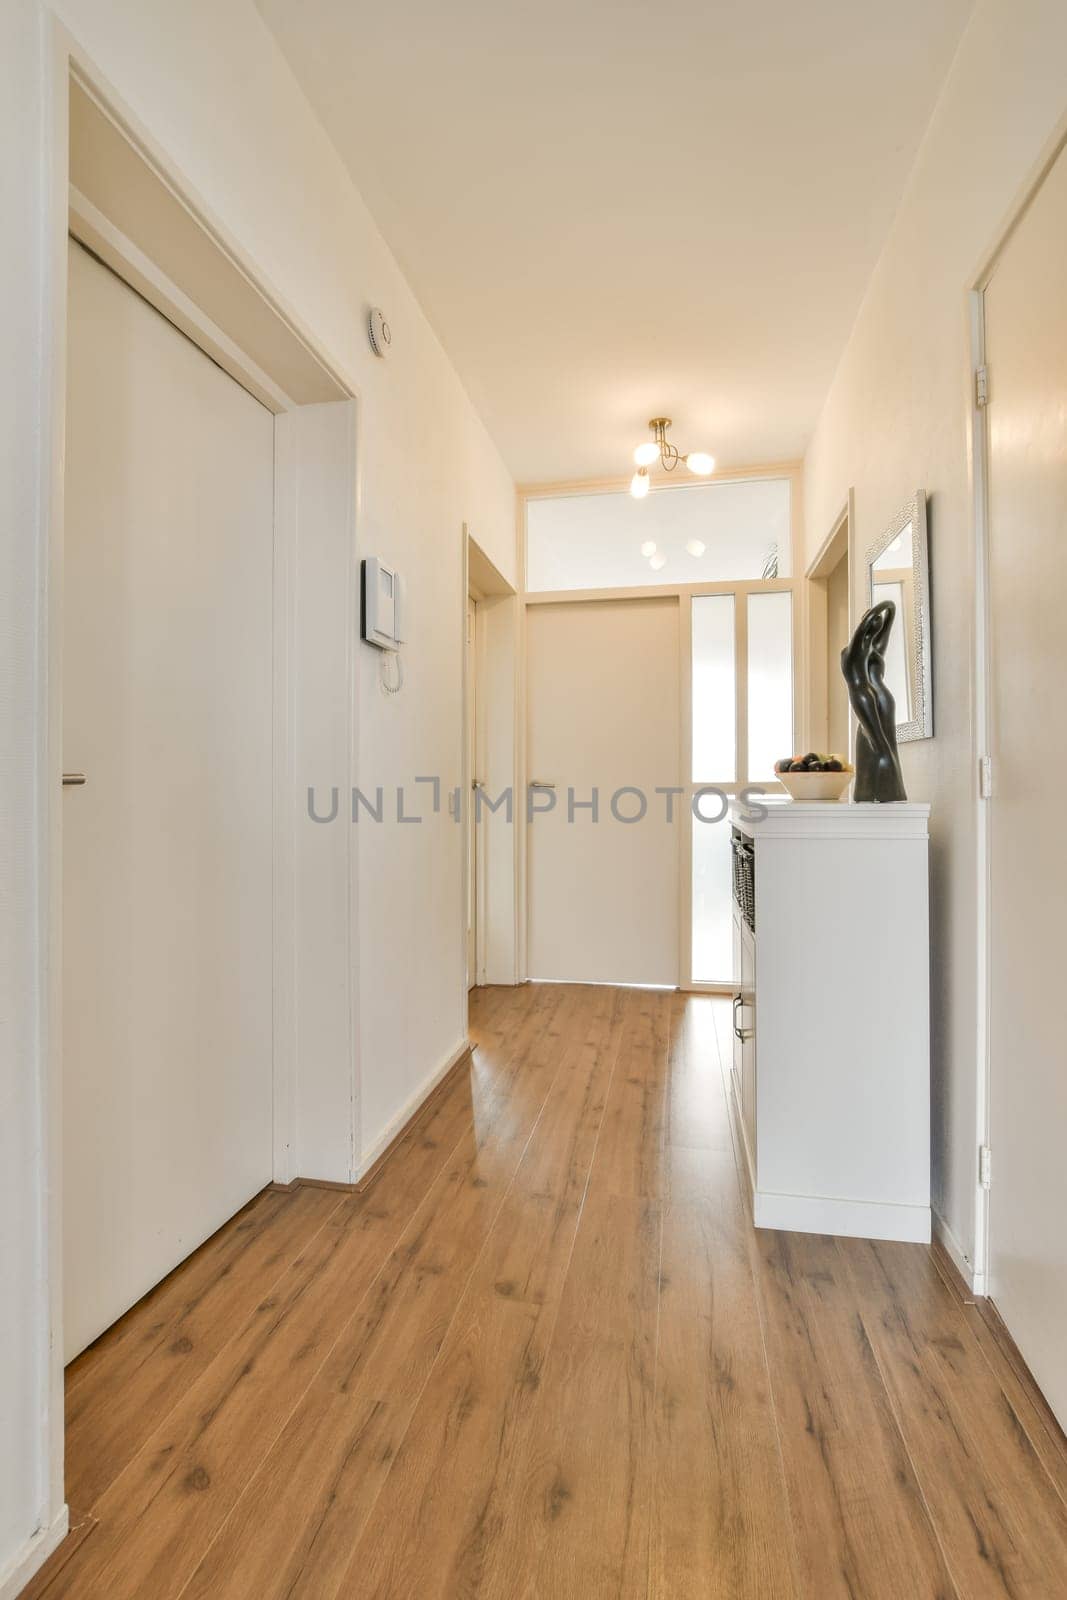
[[770, 682], [714, 690], [742, 723], [714, 763]]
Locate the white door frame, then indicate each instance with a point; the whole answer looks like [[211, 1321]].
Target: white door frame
[[839, 540], [499, 751], [474, 666], [978, 451], [158, 280]]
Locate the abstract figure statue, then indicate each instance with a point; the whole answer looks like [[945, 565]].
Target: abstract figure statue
[[878, 775]]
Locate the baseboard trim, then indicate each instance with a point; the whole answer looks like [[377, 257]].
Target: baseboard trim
[[33, 1555], [974, 1282], [315, 1183], [853, 1219], [408, 1117]]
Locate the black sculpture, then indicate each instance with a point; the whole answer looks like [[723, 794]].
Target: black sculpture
[[878, 775]]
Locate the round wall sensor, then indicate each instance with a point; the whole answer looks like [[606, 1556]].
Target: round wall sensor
[[381, 335]]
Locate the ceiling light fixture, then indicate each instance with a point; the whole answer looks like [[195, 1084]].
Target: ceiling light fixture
[[658, 562], [657, 448], [649, 547], [696, 547]]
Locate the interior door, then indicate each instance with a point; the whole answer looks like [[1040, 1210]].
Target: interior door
[[475, 779], [167, 850], [603, 708], [1026, 327]]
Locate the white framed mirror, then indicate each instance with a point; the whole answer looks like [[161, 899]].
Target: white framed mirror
[[898, 570]]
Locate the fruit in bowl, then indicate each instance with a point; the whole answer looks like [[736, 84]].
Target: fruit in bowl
[[814, 776]]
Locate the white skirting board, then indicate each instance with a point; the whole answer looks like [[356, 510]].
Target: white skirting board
[[407, 1111], [856, 1219], [33, 1556], [975, 1281]]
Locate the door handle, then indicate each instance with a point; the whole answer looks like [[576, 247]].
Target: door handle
[[73, 780], [740, 1034], [534, 784]]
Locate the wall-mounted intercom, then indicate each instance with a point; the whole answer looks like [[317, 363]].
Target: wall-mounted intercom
[[382, 602]]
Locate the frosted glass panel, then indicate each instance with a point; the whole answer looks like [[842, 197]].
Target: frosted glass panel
[[712, 899], [714, 690], [593, 541], [770, 682]]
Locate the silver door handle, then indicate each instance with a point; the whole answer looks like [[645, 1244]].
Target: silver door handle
[[534, 784], [73, 780]]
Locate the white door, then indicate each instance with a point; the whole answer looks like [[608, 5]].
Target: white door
[[1026, 324], [475, 778], [603, 707], [167, 847]]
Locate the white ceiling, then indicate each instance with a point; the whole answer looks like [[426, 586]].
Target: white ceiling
[[610, 210]]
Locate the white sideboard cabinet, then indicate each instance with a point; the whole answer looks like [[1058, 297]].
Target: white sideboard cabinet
[[831, 1030]]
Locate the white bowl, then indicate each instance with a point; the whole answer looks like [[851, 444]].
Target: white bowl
[[816, 785]]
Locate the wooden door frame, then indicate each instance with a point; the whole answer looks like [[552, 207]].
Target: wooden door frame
[[977, 1271], [157, 279]]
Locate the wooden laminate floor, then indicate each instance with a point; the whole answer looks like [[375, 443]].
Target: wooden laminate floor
[[546, 1355]]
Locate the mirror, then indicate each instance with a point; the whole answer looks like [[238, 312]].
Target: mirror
[[897, 570]]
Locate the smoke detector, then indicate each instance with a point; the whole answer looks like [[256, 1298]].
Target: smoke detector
[[381, 335]]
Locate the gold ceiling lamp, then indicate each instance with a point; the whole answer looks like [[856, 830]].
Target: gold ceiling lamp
[[659, 448]]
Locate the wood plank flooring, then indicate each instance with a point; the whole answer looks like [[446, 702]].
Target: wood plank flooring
[[545, 1355]]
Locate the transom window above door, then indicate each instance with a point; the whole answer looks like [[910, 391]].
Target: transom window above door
[[720, 532]]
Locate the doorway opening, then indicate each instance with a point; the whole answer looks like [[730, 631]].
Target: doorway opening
[[189, 405], [829, 630], [477, 788], [649, 705], [490, 780]]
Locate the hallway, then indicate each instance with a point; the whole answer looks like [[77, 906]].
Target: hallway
[[544, 1354]]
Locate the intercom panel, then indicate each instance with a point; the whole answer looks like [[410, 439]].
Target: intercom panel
[[382, 604]]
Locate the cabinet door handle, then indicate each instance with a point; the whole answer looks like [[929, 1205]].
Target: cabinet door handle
[[740, 1033]]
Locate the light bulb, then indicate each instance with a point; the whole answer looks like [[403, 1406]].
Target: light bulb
[[696, 547], [649, 547], [700, 462], [646, 453], [658, 562], [639, 484]]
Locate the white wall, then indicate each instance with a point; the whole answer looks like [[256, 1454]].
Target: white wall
[[27, 1497], [896, 419], [209, 85]]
